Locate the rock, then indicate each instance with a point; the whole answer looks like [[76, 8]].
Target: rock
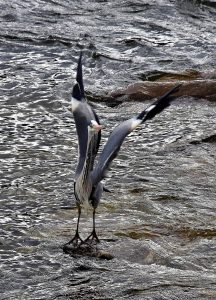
[[104, 255], [86, 250], [146, 90]]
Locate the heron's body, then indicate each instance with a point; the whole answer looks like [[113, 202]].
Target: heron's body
[[88, 187], [87, 139]]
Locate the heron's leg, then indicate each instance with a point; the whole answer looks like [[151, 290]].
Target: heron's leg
[[76, 237], [93, 235]]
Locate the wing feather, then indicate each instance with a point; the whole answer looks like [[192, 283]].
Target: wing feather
[[117, 137], [111, 148], [79, 77], [83, 113]]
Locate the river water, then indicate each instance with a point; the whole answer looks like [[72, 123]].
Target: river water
[[159, 221]]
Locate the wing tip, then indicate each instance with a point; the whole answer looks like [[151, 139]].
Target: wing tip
[[170, 92], [159, 105]]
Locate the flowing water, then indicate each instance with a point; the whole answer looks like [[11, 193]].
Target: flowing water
[[159, 221]]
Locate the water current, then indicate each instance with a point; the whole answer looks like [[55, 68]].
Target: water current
[[159, 221]]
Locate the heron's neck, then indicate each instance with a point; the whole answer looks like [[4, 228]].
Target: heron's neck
[[85, 168]]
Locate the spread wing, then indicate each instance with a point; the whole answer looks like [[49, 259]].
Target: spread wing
[[112, 147], [83, 113]]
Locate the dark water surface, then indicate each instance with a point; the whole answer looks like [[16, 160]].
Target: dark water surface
[[159, 222]]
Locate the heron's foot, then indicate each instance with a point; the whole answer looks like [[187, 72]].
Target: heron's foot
[[92, 237], [73, 242]]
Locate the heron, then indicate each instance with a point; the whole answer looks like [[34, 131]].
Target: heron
[[88, 186]]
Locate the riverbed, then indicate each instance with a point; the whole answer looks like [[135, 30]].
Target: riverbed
[[159, 220]]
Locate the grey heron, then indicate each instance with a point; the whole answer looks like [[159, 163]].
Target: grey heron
[[88, 187]]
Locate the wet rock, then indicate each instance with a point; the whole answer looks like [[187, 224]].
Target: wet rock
[[146, 90], [208, 139], [188, 74], [104, 255], [89, 250], [193, 233]]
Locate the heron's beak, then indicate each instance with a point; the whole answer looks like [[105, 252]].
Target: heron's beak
[[97, 127]]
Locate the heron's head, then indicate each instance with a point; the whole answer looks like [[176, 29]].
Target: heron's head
[[94, 126]]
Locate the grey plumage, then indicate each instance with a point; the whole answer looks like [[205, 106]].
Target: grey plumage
[[88, 187]]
